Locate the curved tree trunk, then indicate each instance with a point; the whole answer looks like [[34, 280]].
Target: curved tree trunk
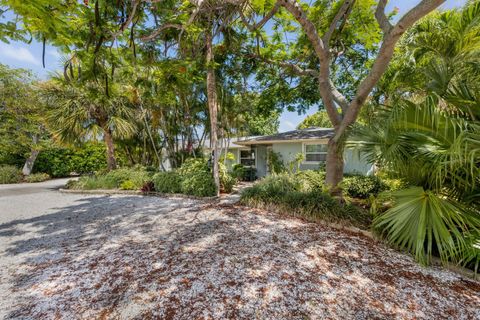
[[212, 107], [111, 161], [28, 166], [334, 166]]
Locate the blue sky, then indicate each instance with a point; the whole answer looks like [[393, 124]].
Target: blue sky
[[29, 56]]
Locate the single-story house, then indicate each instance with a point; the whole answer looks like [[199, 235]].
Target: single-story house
[[312, 142]]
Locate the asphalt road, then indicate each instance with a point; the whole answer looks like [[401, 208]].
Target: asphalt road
[[27, 200]]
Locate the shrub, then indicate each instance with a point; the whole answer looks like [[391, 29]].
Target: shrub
[[275, 162], [37, 177], [199, 184], [243, 173], [124, 178], [10, 174], [311, 180], [168, 182], [54, 161], [283, 194], [360, 186], [148, 187], [128, 185]]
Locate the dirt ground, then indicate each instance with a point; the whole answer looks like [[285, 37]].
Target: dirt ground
[[133, 257]]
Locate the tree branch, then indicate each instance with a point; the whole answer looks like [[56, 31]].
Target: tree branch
[[262, 22], [383, 59], [162, 28], [322, 54], [339, 98], [342, 13], [382, 19]]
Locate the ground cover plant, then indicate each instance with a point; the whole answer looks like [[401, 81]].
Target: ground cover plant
[[10, 174], [303, 195], [123, 178]]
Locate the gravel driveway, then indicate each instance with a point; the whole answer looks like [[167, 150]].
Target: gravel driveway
[[65, 256]]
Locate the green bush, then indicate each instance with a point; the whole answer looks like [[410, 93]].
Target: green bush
[[197, 179], [283, 193], [311, 180], [60, 162], [37, 177], [168, 182], [128, 185], [124, 178], [56, 162], [360, 186], [10, 174], [199, 184]]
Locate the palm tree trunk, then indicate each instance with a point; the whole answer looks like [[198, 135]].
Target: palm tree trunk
[[334, 166], [111, 161], [212, 106]]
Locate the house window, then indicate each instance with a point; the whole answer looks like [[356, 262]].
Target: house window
[[247, 157], [315, 152]]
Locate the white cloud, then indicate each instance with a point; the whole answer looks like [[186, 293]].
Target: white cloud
[[289, 124], [18, 53], [54, 53]]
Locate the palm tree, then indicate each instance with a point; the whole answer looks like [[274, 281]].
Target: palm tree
[[427, 132], [83, 110]]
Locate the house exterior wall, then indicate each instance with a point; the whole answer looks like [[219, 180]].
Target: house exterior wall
[[354, 163]]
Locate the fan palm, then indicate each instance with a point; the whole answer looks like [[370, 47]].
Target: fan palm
[[428, 133], [82, 111]]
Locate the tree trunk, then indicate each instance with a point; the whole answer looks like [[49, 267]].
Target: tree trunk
[[334, 167], [111, 161], [28, 167], [212, 106]]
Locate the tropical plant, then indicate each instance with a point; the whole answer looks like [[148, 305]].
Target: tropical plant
[[87, 110], [428, 134]]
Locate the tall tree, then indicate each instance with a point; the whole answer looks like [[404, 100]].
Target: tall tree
[[323, 33], [22, 128]]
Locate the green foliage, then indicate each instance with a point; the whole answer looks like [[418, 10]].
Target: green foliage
[[128, 185], [425, 130], [311, 180], [289, 194], [469, 252], [243, 173], [124, 178], [54, 161], [361, 186], [197, 179], [318, 119], [37, 177], [10, 174], [168, 182], [275, 162], [199, 184], [60, 162], [421, 221]]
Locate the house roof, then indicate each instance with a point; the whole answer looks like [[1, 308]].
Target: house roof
[[313, 133], [233, 143]]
